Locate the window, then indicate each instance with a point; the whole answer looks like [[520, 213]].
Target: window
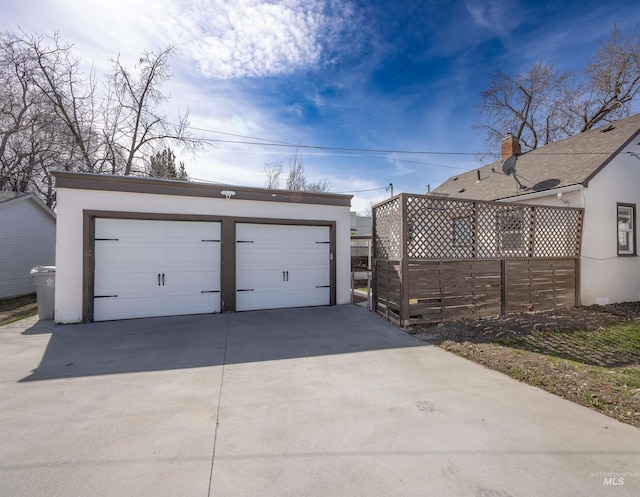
[[510, 231], [462, 227], [626, 229]]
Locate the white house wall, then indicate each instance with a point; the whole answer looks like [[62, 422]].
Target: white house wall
[[72, 202], [28, 239], [605, 277]]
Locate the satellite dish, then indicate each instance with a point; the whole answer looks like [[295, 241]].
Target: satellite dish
[[509, 166]]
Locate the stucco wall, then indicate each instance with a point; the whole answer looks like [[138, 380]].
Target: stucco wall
[[72, 202], [606, 277]]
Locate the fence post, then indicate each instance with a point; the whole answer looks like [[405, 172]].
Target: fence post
[[503, 288], [404, 264]]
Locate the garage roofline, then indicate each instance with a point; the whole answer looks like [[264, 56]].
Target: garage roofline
[[134, 184]]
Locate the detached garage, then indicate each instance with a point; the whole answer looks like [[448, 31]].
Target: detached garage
[[136, 247]]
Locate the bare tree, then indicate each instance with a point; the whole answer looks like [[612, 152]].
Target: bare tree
[[52, 116], [543, 104], [33, 138], [296, 178], [56, 74], [273, 171], [525, 105], [135, 127], [611, 82]]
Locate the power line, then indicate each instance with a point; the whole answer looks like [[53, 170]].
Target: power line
[[276, 143], [360, 191]]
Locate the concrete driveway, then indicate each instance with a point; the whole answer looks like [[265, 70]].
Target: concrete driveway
[[326, 401]]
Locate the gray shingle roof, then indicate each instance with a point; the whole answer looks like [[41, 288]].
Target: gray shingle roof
[[572, 161]]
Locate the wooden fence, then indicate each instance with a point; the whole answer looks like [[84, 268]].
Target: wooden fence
[[431, 267]]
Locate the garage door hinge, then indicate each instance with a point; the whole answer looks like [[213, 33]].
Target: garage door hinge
[[210, 291], [245, 241], [245, 290], [323, 286], [211, 241], [104, 296], [323, 242], [106, 239]]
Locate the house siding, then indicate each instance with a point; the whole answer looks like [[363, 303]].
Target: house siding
[[71, 204], [27, 238], [605, 276]]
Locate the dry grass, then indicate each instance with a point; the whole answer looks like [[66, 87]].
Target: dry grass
[[17, 308], [597, 366]]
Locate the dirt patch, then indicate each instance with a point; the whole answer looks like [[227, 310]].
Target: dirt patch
[[17, 308], [590, 355]]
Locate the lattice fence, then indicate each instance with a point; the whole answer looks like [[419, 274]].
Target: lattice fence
[[421, 244], [388, 221], [442, 228]]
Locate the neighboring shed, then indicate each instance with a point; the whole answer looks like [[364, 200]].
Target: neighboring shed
[[27, 238], [137, 247]]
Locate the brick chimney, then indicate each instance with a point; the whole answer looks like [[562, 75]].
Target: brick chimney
[[510, 146]]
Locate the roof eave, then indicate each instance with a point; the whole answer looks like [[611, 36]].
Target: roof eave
[[610, 158]]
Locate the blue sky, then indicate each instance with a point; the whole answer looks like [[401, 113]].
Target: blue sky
[[383, 75]]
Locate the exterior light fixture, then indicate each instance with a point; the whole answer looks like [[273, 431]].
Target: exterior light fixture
[[227, 193]]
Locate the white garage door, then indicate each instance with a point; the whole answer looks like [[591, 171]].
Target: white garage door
[[155, 268], [282, 266]]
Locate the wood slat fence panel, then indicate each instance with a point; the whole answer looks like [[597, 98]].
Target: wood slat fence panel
[[439, 259]]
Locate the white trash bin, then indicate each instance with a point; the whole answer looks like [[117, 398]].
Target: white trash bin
[[44, 278]]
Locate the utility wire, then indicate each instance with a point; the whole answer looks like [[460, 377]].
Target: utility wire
[[277, 143]]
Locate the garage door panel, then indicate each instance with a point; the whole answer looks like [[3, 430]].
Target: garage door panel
[[191, 304], [124, 282], [129, 230], [198, 280], [307, 234], [260, 299], [261, 233], [257, 256], [308, 256], [261, 278], [309, 297], [192, 256], [111, 253], [309, 278], [180, 232], [129, 267], [118, 308], [284, 266]]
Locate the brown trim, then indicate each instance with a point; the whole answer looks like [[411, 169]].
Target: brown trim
[[227, 254], [503, 286], [610, 158], [228, 266], [132, 184], [578, 282], [404, 265], [633, 229], [471, 200], [88, 266]]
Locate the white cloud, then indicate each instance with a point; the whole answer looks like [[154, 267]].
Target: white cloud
[[492, 15], [253, 38]]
